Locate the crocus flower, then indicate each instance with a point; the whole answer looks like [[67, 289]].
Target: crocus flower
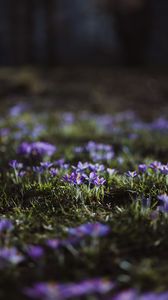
[[53, 243], [132, 174], [160, 124], [164, 169], [78, 149], [38, 169], [10, 256], [99, 181], [100, 152], [35, 252], [95, 179], [163, 198], [155, 165], [53, 172], [46, 165], [81, 167], [5, 225], [68, 118], [36, 149], [24, 149], [96, 167], [142, 168], [90, 229], [111, 171], [17, 109], [164, 207], [74, 178], [22, 174], [15, 164]]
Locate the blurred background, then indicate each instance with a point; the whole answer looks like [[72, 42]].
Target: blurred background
[[127, 40]]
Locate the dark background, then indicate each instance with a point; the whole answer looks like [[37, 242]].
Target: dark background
[[84, 32], [98, 55]]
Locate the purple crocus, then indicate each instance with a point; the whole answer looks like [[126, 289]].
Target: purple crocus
[[5, 225], [22, 174], [164, 169], [10, 256], [111, 172], [155, 165], [96, 167], [24, 149], [132, 174], [53, 172], [46, 165], [99, 181], [90, 229], [59, 162], [35, 251], [95, 179], [15, 164], [164, 207], [53, 243], [160, 124], [99, 152], [38, 169], [36, 149], [17, 109], [164, 198], [142, 168], [74, 178], [42, 149], [78, 149], [81, 167]]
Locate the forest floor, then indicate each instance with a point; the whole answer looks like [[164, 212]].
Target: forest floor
[[83, 184]]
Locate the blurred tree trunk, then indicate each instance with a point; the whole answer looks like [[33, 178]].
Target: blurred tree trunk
[[29, 31], [14, 30], [21, 31], [133, 22], [51, 32]]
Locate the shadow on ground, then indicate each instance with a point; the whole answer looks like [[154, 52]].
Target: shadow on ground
[[101, 90]]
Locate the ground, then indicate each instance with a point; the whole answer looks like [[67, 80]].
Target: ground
[[83, 184]]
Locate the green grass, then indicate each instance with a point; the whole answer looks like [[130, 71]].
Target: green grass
[[134, 254]]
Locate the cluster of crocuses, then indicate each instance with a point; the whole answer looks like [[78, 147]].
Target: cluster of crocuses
[[63, 291], [36, 149], [155, 166], [98, 286], [114, 124], [86, 173], [133, 294], [12, 256], [125, 123], [97, 152]]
